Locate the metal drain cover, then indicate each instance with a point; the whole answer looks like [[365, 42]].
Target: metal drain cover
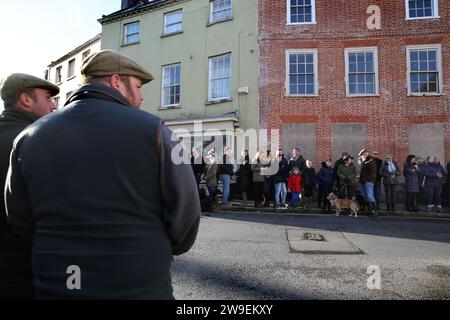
[[314, 236], [309, 241]]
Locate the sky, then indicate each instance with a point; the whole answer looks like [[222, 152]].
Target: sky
[[35, 33]]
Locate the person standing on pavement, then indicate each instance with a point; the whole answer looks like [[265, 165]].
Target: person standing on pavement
[[280, 179], [26, 98], [325, 178], [225, 173], [338, 162], [296, 160], [309, 180], [257, 168], [198, 165], [295, 186], [377, 185], [244, 175], [211, 171], [367, 178], [95, 188], [390, 172], [411, 173], [434, 179], [347, 173]]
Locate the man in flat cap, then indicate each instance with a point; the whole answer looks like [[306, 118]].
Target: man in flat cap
[[93, 186], [367, 178], [26, 98]]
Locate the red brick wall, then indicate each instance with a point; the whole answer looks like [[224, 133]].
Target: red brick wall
[[342, 24]]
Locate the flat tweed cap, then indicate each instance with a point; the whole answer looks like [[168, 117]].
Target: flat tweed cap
[[108, 62], [17, 83]]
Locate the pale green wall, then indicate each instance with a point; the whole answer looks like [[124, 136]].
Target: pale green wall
[[192, 49]]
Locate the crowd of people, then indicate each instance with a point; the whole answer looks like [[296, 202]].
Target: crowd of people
[[296, 182]]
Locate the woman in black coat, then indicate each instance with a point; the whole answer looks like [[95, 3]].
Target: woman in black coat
[[244, 174], [411, 172]]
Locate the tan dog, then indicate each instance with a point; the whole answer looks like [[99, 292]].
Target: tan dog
[[340, 204]]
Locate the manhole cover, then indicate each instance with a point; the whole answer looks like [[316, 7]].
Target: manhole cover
[[314, 237]]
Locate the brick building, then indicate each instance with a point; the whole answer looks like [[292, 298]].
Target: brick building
[[339, 75]]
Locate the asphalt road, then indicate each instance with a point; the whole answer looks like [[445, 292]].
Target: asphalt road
[[248, 256]]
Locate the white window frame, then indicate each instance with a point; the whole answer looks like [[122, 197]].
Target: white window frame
[[71, 73], [165, 21], [211, 12], [374, 50], [164, 106], [438, 48], [210, 59], [125, 35], [315, 53], [313, 14], [435, 11]]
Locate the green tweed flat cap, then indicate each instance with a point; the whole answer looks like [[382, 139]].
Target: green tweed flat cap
[[16, 83], [109, 62]]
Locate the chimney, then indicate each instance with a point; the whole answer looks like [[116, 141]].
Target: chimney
[[131, 3]]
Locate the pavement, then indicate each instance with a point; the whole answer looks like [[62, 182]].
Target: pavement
[[252, 256], [241, 206]]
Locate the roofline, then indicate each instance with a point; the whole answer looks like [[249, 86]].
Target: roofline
[[76, 50], [139, 9]]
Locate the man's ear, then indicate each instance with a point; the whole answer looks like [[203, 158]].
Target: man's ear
[[114, 81], [25, 102]]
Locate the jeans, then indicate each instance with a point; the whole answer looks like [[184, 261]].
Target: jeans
[[225, 178], [377, 191], [368, 192], [280, 188], [295, 196], [212, 191]]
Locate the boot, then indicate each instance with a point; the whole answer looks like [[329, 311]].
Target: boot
[[244, 196], [393, 207], [388, 206], [415, 208], [373, 206]]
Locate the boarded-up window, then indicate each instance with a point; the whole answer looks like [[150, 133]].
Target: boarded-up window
[[427, 140], [348, 137], [302, 136]]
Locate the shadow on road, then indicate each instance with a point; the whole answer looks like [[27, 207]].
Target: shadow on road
[[416, 229], [236, 284]]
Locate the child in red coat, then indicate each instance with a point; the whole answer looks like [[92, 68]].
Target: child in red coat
[[295, 185]]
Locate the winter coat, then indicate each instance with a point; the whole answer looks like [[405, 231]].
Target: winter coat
[[295, 183], [389, 178], [347, 174], [309, 177], [411, 174], [379, 163], [431, 178], [368, 171], [226, 167], [298, 162], [325, 177], [283, 172], [244, 172], [257, 170], [100, 192], [198, 165], [211, 171]]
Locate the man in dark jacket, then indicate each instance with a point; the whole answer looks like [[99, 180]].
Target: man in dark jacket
[[26, 99], [338, 162], [367, 178], [96, 190], [296, 160], [309, 180]]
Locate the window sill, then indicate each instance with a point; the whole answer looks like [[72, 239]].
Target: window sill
[[58, 83], [70, 78], [423, 18], [376, 95], [301, 23], [130, 44], [426, 94], [219, 21], [301, 95], [162, 108], [213, 102], [165, 35]]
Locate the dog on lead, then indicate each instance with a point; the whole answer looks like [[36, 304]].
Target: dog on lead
[[340, 204]]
